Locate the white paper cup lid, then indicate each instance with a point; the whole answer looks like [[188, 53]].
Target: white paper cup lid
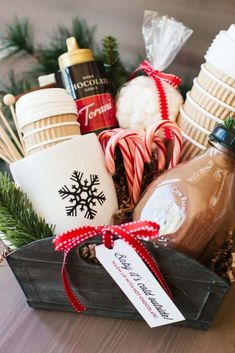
[[221, 53], [44, 103]]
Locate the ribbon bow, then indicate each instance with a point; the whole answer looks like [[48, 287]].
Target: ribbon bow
[[129, 232], [158, 78]]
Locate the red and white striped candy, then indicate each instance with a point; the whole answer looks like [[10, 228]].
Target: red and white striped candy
[[152, 137], [133, 153]]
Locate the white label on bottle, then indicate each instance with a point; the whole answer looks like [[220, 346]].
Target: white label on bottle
[[138, 283], [166, 206]]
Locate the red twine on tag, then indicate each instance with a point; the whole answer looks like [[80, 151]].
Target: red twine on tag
[[158, 78], [129, 232]]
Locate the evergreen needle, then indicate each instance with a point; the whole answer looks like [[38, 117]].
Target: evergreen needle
[[229, 123], [19, 223], [18, 37], [116, 71]]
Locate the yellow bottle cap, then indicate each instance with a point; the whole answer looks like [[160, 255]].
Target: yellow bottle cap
[[74, 55]]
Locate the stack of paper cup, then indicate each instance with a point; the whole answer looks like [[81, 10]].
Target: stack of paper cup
[[46, 117], [212, 98]]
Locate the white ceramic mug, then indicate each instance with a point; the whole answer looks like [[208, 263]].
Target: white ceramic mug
[[68, 184]]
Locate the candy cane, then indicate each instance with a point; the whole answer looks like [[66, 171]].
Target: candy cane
[[133, 153], [137, 149], [151, 137], [110, 141], [132, 161], [121, 138], [104, 138]]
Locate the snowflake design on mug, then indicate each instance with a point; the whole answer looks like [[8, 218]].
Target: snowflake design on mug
[[83, 195]]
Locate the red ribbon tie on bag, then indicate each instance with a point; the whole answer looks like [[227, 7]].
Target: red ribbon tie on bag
[[158, 78]]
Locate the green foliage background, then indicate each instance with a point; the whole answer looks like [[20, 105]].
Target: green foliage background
[[18, 39], [19, 224]]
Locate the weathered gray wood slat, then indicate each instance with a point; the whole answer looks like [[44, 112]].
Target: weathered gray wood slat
[[198, 292]]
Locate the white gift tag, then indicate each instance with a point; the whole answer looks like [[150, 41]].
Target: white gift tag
[[128, 270]]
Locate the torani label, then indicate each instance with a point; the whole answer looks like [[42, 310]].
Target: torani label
[[89, 87]]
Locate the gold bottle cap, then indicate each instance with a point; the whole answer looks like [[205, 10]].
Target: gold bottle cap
[[74, 55]]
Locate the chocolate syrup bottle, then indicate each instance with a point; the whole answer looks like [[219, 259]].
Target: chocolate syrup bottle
[[86, 81]]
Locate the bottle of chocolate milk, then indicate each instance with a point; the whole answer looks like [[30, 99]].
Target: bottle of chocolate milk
[[194, 203]]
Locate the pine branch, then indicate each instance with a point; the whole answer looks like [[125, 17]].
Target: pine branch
[[229, 123], [48, 56], [18, 37], [18, 222], [116, 71], [110, 52], [17, 85], [83, 33]]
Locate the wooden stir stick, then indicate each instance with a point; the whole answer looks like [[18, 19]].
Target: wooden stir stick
[[11, 146], [12, 150], [9, 129], [4, 153], [10, 100]]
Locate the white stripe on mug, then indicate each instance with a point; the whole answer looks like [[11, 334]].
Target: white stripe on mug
[[51, 141], [203, 111], [192, 122], [212, 97], [50, 127]]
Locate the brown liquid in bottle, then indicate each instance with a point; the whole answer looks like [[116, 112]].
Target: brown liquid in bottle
[[194, 203]]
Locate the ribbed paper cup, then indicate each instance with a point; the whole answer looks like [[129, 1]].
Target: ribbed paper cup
[[43, 147], [200, 115], [46, 117], [210, 103], [219, 74], [216, 87], [192, 129], [190, 150], [54, 129]]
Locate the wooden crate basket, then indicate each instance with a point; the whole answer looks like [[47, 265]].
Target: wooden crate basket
[[198, 292]]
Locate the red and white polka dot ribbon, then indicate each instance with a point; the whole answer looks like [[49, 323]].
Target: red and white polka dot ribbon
[[129, 232], [158, 78]]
